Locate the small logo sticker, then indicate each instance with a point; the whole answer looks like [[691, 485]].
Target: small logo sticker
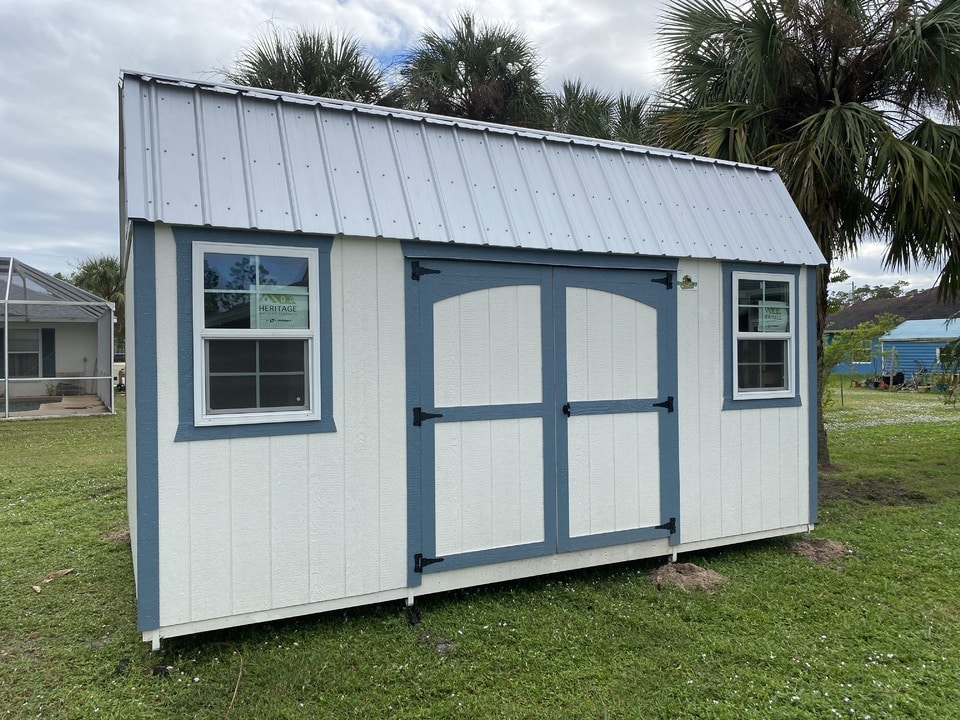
[[688, 282]]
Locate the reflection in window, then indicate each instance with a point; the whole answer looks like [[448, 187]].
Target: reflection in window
[[764, 334]]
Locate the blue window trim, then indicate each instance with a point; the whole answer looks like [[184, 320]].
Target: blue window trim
[[185, 237], [729, 317], [147, 461]]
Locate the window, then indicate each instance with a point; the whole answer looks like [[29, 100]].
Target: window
[[23, 357], [764, 336], [255, 319]]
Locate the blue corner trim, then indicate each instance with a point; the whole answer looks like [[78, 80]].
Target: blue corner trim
[[812, 394], [186, 429], [729, 314], [146, 432]]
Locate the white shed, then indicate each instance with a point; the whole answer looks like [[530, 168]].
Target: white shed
[[376, 354]]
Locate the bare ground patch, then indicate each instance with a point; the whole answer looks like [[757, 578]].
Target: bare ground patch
[[687, 577], [121, 536], [877, 492], [822, 551]]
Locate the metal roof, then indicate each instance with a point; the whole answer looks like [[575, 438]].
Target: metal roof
[[943, 329], [208, 154], [30, 294]]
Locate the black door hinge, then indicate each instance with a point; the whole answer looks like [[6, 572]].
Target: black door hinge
[[670, 525], [668, 404], [419, 416], [420, 562], [666, 281], [566, 409], [416, 270]]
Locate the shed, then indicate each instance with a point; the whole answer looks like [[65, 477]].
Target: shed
[[377, 354], [56, 341], [915, 344]]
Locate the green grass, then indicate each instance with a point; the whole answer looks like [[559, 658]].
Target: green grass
[[876, 634]]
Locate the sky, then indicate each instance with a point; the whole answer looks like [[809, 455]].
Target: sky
[[60, 62]]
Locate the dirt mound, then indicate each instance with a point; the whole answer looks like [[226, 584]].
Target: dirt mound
[[821, 550], [121, 536], [687, 576]]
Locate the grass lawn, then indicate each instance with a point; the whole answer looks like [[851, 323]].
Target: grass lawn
[[875, 634]]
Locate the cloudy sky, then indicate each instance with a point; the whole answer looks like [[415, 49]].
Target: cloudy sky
[[60, 62]]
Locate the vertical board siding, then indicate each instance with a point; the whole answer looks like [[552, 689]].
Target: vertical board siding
[[259, 523], [489, 484], [487, 347], [741, 471], [614, 472], [689, 361], [611, 346]]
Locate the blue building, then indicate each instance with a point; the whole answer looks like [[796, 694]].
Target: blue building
[[916, 344]]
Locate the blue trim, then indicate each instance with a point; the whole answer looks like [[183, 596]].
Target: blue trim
[[638, 286], [146, 432], [524, 256], [185, 237], [812, 381], [729, 315], [455, 278]]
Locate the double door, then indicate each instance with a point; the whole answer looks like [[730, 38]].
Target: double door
[[543, 410]]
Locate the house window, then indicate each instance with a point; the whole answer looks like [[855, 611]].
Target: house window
[[23, 356], [255, 319], [764, 336]]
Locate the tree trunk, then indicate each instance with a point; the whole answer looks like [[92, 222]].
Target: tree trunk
[[823, 279]]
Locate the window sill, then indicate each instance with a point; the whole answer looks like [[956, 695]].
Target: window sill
[[254, 428]]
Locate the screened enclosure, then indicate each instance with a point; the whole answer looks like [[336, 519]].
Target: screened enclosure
[[56, 342]]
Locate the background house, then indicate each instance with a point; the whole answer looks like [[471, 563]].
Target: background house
[[56, 340], [915, 344]]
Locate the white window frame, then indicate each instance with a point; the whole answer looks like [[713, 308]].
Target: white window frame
[[790, 337], [38, 352], [201, 334]]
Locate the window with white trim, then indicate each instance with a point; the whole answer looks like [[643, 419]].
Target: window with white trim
[[255, 333], [23, 356], [764, 335]]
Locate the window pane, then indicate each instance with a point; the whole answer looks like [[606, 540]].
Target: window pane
[[283, 391], [223, 271], [762, 364], [763, 306], [282, 355], [24, 365], [257, 374], [233, 392], [226, 310], [232, 356], [284, 271], [24, 341]]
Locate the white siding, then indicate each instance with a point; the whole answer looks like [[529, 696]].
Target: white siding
[[487, 347], [255, 524], [741, 471], [489, 484]]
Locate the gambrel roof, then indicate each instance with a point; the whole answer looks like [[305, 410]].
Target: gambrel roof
[[208, 154]]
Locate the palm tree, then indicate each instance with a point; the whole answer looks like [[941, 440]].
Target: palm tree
[[847, 100], [477, 71], [310, 62], [579, 110], [103, 277]]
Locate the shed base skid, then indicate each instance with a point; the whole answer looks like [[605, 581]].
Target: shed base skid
[[470, 577]]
